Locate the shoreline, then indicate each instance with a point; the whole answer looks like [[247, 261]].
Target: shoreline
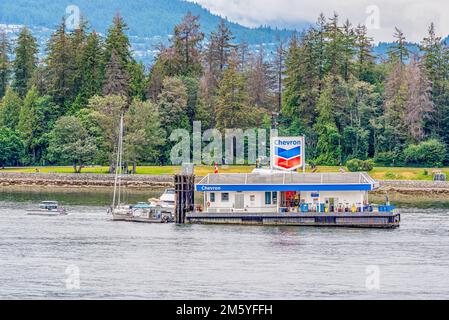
[[87, 181], [83, 180]]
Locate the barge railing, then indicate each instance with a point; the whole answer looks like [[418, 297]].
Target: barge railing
[[292, 178], [379, 209]]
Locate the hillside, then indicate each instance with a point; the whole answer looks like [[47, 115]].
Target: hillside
[[382, 48], [146, 18], [150, 22]]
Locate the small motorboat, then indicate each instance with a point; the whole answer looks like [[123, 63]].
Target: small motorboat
[[166, 201], [48, 208], [141, 212], [144, 212]]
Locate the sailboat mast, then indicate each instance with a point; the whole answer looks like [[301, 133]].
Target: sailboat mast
[[118, 166], [121, 160]]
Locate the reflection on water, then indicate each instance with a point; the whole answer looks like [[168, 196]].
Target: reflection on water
[[95, 197], [422, 201], [85, 255]]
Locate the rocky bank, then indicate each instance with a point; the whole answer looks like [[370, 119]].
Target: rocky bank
[[162, 181]]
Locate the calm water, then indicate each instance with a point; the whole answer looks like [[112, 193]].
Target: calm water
[[38, 255]]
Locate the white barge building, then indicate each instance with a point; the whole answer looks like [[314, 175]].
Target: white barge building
[[290, 198]]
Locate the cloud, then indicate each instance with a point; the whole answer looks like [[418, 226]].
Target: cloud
[[412, 16]]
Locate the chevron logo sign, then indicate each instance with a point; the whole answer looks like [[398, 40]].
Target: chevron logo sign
[[287, 153]]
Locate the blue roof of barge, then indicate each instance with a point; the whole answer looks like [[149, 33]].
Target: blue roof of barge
[[287, 181]]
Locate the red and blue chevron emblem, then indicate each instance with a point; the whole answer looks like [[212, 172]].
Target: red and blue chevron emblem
[[287, 158]]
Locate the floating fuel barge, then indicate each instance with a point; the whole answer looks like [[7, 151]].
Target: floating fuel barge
[[282, 196], [290, 198]]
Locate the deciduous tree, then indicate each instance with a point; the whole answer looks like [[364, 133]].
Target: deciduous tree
[[69, 142]]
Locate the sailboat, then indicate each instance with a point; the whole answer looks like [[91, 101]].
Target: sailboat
[[119, 211], [141, 212]]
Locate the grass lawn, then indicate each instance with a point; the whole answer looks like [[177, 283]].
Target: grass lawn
[[379, 173], [199, 170]]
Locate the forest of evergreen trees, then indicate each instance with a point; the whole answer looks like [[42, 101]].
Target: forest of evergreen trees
[[325, 83]]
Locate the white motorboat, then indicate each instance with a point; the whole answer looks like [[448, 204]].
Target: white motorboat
[[48, 208], [166, 201]]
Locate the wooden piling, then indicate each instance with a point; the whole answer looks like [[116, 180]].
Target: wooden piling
[[185, 197]]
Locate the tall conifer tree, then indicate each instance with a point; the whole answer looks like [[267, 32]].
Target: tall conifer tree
[[4, 63], [25, 62]]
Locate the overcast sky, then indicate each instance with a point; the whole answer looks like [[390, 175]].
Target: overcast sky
[[381, 16]]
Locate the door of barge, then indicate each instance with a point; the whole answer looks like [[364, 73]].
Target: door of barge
[[290, 199], [239, 201]]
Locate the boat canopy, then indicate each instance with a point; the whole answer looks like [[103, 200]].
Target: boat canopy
[[49, 205], [143, 205], [288, 181]]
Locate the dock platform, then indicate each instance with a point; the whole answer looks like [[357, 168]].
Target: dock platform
[[385, 220]]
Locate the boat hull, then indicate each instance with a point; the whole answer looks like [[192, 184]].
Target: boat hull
[[119, 217], [46, 213], [138, 219], [147, 220], [347, 220]]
